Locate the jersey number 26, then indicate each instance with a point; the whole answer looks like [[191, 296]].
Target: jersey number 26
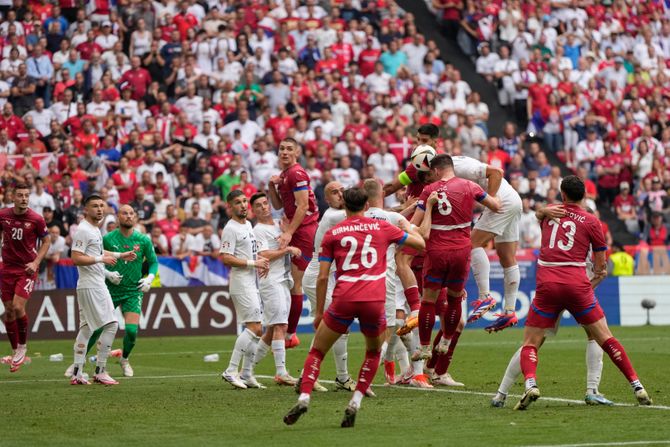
[[368, 253]]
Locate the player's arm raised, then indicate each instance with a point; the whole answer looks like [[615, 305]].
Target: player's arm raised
[[427, 221], [275, 199], [550, 212], [495, 177], [396, 184], [34, 266]]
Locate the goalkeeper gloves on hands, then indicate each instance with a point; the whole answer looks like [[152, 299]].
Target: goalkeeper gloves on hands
[[113, 277], [144, 284]]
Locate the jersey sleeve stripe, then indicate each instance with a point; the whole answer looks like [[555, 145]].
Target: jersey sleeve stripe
[[600, 248], [403, 238], [325, 259], [301, 188], [421, 206], [482, 197]]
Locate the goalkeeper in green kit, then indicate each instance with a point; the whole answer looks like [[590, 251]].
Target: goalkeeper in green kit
[[124, 279]]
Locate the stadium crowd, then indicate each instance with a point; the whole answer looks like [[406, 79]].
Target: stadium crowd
[[169, 105]]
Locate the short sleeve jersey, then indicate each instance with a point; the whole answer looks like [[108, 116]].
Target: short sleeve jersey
[[296, 179], [239, 240], [474, 170], [131, 270], [452, 214], [88, 240], [358, 247], [20, 233], [566, 244], [280, 268], [330, 218]]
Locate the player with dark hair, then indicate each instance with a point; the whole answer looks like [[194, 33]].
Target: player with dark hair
[[291, 190], [21, 258], [358, 247], [562, 284], [239, 251]]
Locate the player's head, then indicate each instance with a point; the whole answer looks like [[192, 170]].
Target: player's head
[[126, 216], [21, 197], [334, 195], [238, 203], [94, 208], [427, 134], [572, 189], [355, 200], [289, 150], [260, 205], [440, 164], [374, 191]]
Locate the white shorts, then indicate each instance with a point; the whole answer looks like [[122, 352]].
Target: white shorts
[[247, 306], [276, 303], [389, 305], [309, 285], [504, 225], [400, 299], [96, 308]]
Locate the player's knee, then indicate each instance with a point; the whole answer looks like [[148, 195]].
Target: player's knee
[[131, 332], [10, 312], [111, 327]]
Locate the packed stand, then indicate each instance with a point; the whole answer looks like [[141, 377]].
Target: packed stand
[[590, 78]]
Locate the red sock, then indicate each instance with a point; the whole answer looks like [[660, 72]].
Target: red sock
[[433, 360], [311, 370], [426, 321], [294, 313], [452, 316], [22, 324], [412, 295], [12, 333], [443, 361], [529, 361], [619, 357], [367, 373], [441, 303]]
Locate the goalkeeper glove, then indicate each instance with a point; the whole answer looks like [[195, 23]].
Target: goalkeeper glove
[[113, 277], [144, 284]]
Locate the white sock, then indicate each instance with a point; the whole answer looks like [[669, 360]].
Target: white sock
[[418, 365], [261, 351], [304, 397], [403, 358], [382, 355], [279, 353], [249, 356], [512, 373], [390, 351], [80, 344], [481, 268], [511, 279], [238, 350], [356, 399], [594, 365], [340, 354], [105, 345], [530, 383]]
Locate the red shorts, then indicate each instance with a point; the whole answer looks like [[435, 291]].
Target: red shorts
[[16, 283], [551, 299], [447, 269], [303, 239], [371, 316]]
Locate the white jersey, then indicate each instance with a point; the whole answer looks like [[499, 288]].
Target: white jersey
[[88, 240], [471, 169], [239, 240], [329, 219], [393, 218], [280, 268]]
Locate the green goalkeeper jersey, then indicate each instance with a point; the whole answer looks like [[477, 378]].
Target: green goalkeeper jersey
[[131, 270]]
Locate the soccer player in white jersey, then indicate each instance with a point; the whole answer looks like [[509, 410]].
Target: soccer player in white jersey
[[376, 211], [275, 288], [96, 309], [239, 251], [331, 217], [594, 353]]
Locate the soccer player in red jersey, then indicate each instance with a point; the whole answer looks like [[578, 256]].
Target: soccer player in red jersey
[[21, 258], [358, 246], [292, 191], [447, 261], [562, 284]]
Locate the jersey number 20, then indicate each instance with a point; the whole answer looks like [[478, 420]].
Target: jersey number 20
[[570, 228], [368, 253], [17, 234]]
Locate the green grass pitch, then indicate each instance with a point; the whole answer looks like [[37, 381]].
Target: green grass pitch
[[177, 399]]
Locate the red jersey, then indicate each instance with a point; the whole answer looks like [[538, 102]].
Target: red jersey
[[358, 247], [139, 79], [20, 233], [280, 126], [169, 227], [367, 60], [296, 179], [539, 94], [603, 108], [566, 244], [608, 180], [415, 188], [452, 214], [627, 205], [219, 163]]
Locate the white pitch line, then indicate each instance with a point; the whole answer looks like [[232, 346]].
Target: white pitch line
[[436, 390], [595, 444]]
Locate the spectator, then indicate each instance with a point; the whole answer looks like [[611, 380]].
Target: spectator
[[39, 198], [626, 208], [619, 262], [207, 243], [182, 244]]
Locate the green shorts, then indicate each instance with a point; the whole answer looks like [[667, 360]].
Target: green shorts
[[129, 302]]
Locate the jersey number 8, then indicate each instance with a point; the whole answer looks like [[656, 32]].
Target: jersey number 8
[[368, 253], [443, 203]]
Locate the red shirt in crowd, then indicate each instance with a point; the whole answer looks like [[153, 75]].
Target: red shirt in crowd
[[367, 60], [139, 79]]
